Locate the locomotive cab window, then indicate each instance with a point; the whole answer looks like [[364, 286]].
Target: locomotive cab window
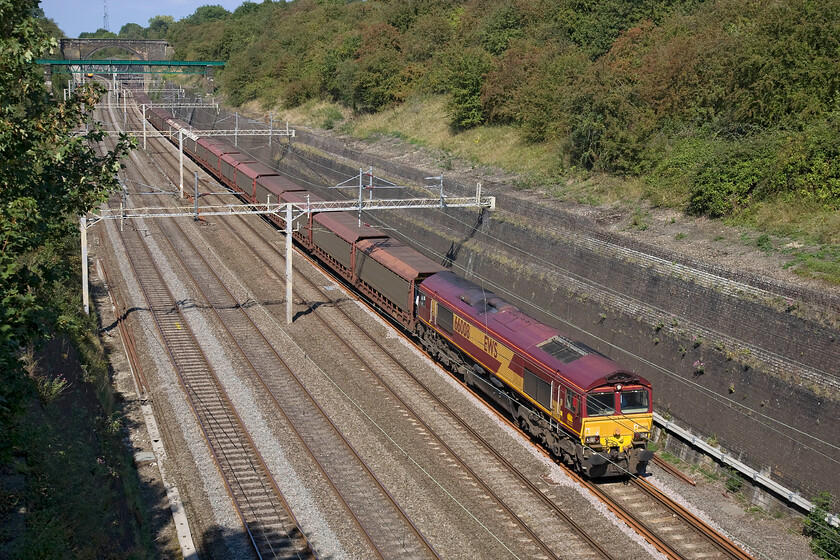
[[444, 318], [635, 401], [571, 401], [600, 404]]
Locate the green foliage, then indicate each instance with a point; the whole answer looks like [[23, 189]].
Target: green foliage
[[206, 14], [503, 26], [132, 31], [732, 179], [825, 538], [100, 33], [734, 482], [720, 106], [158, 27], [48, 178], [466, 70]]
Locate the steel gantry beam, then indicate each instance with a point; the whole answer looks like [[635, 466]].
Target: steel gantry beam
[[290, 213]]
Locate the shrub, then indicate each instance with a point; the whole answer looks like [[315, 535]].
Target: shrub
[[466, 70], [825, 538]]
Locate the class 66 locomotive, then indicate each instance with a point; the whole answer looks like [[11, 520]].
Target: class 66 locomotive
[[587, 410]]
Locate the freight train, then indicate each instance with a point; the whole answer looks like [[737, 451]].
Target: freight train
[[590, 412]]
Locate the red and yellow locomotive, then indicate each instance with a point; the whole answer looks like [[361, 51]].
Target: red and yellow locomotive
[[583, 407]]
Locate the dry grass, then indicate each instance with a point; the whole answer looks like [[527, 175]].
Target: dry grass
[[423, 121]]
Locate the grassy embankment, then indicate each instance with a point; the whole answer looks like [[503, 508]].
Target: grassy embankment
[[804, 234]]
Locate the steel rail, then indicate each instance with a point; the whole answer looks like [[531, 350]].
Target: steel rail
[[674, 471], [234, 306], [126, 336], [718, 540], [221, 426]]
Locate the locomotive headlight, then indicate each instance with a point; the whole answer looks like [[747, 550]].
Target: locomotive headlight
[[592, 440], [641, 436]]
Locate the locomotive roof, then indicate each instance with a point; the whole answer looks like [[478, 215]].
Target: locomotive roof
[[575, 361], [346, 226], [399, 258]]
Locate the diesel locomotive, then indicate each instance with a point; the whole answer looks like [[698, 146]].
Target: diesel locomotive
[[590, 412]]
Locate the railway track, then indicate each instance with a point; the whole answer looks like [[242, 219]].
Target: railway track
[[384, 524], [378, 517], [671, 528], [487, 469], [268, 522]]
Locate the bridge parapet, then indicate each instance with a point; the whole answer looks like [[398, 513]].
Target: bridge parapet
[[146, 49]]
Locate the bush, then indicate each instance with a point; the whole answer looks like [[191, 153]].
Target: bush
[[825, 538], [466, 70], [731, 180]]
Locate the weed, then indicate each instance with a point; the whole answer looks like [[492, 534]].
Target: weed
[[680, 236], [763, 242], [639, 219], [825, 538], [733, 482], [670, 458], [50, 388]]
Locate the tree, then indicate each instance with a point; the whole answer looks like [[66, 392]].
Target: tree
[[204, 14], [158, 26], [132, 31], [48, 177]]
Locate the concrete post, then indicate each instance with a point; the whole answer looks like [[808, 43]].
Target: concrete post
[[289, 263], [85, 296]]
